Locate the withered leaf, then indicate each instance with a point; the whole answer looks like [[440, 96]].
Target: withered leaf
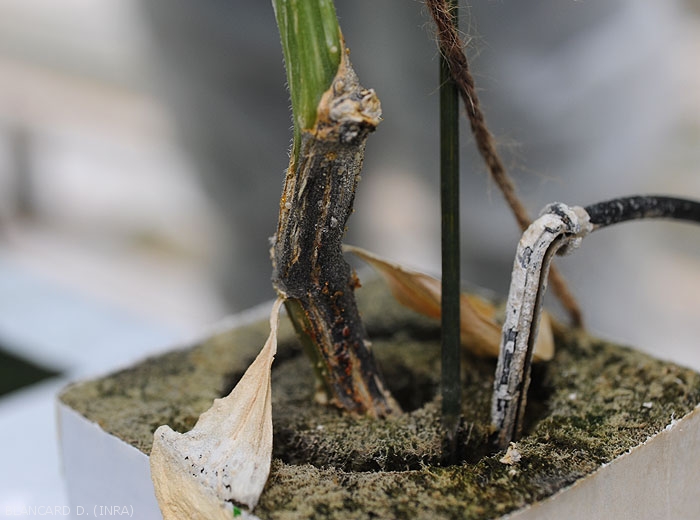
[[480, 332], [227, 455]]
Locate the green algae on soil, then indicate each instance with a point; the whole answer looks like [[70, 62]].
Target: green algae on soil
[[593, 402]]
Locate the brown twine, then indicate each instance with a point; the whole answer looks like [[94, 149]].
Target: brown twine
[[451, 47]]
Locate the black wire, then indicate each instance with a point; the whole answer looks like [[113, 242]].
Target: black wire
[[636, 207]]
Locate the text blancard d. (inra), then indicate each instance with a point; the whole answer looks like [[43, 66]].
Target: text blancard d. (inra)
[[67, 511]]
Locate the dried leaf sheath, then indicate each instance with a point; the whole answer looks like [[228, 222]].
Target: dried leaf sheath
[[226, 456], [308, 265], [480, 333]]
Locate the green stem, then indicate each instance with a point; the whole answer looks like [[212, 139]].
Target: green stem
[[311, 43], [449, 197]]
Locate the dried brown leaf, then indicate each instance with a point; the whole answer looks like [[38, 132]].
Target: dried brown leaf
[[480, 332], [227, 455]]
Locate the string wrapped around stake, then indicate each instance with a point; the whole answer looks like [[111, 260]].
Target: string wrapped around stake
[[452, 48], [559, 229]]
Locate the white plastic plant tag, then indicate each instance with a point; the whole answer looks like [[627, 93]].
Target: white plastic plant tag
[[480, 333], [225, 459]]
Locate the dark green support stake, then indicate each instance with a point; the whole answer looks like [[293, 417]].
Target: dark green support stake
[[449, 198]]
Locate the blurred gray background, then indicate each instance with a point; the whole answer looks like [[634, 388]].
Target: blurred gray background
[[143, 144]]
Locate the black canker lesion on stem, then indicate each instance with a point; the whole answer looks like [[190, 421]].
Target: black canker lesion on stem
[[308, 266]]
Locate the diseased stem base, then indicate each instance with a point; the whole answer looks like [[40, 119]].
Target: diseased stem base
[[309, 268], [348, 372]]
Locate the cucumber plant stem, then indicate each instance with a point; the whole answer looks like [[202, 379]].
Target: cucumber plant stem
[[333, 116]]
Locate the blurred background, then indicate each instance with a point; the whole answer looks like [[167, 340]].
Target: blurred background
[[143, 144]]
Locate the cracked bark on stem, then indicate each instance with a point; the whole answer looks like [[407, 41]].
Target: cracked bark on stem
[[452, 48], [308, 266]]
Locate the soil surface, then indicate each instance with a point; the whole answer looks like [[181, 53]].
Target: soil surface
[[593, 402]]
